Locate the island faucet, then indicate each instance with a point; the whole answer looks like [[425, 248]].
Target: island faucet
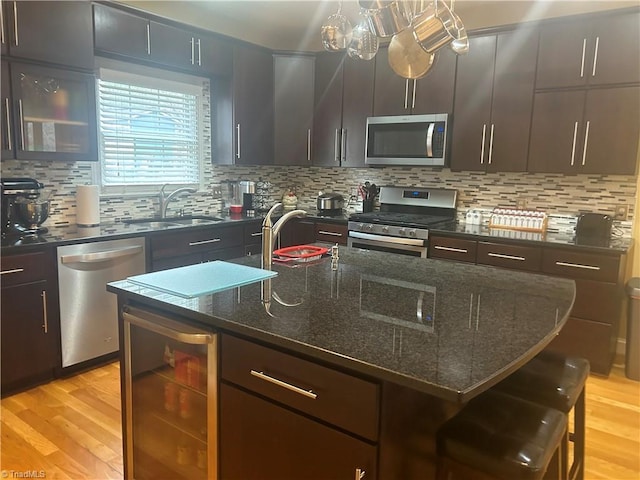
[[165, 199], [270, 232]]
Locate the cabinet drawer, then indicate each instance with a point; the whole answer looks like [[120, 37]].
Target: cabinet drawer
[[331, 233], [25, 268], [451, 248], [589, 266], [598, 301], [194, 241], [340, 399], [253, 233], [509, 256]]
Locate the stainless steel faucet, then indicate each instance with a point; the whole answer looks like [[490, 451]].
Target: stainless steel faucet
[[165, 199], [270, 233]]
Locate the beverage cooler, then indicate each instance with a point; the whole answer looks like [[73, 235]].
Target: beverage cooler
[[170, 398]]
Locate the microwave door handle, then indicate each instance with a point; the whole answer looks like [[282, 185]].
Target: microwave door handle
[[430, 140]]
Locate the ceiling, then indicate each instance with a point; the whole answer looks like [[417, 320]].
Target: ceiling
[[295, 25]]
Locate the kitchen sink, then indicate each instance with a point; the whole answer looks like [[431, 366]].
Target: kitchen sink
[[155, 222]]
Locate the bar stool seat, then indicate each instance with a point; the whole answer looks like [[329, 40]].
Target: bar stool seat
[[500, 436], [556, 381]]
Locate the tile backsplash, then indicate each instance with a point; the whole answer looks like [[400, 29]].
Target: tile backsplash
[[561, 196]]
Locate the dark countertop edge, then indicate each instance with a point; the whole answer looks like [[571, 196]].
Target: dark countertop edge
[[336, 360]]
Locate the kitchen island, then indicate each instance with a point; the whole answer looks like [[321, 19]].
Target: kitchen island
[[356, 362]]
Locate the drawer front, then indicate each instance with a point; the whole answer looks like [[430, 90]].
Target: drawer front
[[594, 341], [194, 241], [598, 301], [253, 233], [25, 268], [335, 397], [509, 256], [589, 266], [451, 248], [331, 233]]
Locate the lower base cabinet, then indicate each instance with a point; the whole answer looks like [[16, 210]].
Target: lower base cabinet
[[262, 440]]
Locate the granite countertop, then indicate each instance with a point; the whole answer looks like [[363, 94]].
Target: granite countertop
[[443, 328]]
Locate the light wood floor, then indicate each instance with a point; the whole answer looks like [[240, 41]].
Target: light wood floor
[[71, 428]]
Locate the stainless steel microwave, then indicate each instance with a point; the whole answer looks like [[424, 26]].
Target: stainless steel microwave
[[419, 140]]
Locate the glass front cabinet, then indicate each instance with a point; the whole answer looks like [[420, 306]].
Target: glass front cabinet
[[50, 114], [170, 393]]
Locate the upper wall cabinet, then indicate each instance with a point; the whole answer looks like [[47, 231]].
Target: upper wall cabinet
[[125, 34], [494, 96], [52, 32], [394, 95], [293, 103], [343, 101], [603, 51]]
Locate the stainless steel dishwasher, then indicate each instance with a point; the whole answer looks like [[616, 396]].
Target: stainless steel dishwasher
[[88, 313]]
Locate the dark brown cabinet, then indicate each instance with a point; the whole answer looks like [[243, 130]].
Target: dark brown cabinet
[[395, 95], [343, 101], [602, 51], [29, 319], [293, 103], [494, 96], [331, 233], [586, 131], [50, 32], [50, 114]]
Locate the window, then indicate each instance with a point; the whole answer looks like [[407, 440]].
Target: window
[[150, 129]]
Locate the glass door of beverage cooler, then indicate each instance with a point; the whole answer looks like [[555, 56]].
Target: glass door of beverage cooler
[[170, 398]]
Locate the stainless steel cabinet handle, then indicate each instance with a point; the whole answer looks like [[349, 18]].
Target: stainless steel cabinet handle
[[103, 256], [199, 54], [336, 147], [573, 147], [193, 51], [406, 94], [21, 113], [308, 145], [15, 270], [166, 327], [584, 51], [8, 121], [478, 313], [491, 144], [450, 249], [45, 318], [256, 234], [335, 234], [343, 145], [203, 242], [508, 257], [148, 39], [360, 474], [288, 386], [15, 22], [2, 39], [586, 141], [578, 265], [238, 141], [429, 145], [470, 310], [484, 135], [413, 100], [595, 57]]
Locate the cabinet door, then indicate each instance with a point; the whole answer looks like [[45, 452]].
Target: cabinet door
[[293, 99], [55, 110], [120, 32], [28, 342], [8, 139], [259, 439], [252, 106], [472, 108], [172, 46], [357, 105], [391, 94], [327, 120], [612, 128], [215, 56], [54, 32], [508, 136], [556, 132], [434, 92]]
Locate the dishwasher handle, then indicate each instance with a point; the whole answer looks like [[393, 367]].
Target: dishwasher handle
[[166, 327], [103, 256]]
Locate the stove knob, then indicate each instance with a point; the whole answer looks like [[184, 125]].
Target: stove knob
[[361, 226], [385, 229], [412, 233], [402, 231], [370, 227]]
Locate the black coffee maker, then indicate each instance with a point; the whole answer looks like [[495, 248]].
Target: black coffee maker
[[15, 190]]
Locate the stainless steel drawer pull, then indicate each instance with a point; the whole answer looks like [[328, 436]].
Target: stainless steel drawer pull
[[256, 234], [324, 232], [451, 249], [45, 317], [288, 386], [203, 242], [15, 270], [359, 472], [508, 257], [577, 265]]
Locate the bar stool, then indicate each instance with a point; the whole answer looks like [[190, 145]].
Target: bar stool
[[556, 381], [499, 436]]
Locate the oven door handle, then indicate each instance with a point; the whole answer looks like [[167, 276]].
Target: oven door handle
[[399, 247], [381, 239]]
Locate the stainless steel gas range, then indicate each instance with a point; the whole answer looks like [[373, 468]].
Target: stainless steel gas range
[[403, 222]]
